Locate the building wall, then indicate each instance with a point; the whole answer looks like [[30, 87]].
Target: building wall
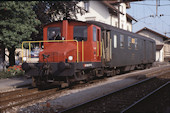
[[129, 26], [167, 51], [158, 40], [98, 11]]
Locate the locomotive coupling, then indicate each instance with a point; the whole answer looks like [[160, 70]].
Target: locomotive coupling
[[25, 66], [62, 66]]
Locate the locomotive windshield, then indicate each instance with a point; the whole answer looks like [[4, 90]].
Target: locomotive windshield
[[54, 33], [80, 33]]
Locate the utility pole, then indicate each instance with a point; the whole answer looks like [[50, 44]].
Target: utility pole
[[157, 4], [118, 15]]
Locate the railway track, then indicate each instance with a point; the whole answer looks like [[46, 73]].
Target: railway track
[[22, 96], [25, 95], [158, 100], [120, 100]]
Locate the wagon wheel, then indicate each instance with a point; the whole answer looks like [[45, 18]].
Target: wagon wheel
[[117, 71]]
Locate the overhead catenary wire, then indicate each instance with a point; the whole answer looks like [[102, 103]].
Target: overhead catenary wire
[[155, 16], [150, 4]]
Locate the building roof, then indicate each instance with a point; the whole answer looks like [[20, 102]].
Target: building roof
[[159, 47], [130, 17], [114, 2], [147, 29]]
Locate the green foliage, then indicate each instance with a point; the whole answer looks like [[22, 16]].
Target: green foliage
[[15, 70], [64, 10], [4, 74], [17, 22], [12, 71]]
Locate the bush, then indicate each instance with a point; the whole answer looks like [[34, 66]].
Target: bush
[[4, 74], [15, 70]]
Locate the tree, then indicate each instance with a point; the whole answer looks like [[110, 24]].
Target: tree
[[17, 23], [49, 11], [64, 10]]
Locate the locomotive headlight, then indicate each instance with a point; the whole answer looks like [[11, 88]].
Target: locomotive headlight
[[70, 58], [24, 59]]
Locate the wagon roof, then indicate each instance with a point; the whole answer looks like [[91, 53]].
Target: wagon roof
[[109, 27]]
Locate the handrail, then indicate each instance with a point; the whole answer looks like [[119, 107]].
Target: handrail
[[98, 47], [82, 51], [29, 42], [101, 48]]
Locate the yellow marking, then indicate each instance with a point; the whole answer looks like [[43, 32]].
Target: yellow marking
[[29, 42], [97, 48], [133, 40], [22, 53], [29, 51], [101, 48], [82, 51]]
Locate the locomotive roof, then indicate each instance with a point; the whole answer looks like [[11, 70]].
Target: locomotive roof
[[109, 27], [69, 20]]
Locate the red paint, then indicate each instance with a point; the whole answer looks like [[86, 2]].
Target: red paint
[[62, 50]]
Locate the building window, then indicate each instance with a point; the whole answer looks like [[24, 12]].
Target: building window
[[121, 8], [116, 24], [94, 33], [122, 26], [129, 42], [115, 41], [128, 28], [86, 6], [80, 33], [122, 40]]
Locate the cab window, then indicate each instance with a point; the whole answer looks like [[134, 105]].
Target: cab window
[[94, 33], [53, 33], [80, 33]]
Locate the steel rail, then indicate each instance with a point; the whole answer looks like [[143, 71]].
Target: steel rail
[[17, 94], [27, 98], [12, 92], [140, 100]]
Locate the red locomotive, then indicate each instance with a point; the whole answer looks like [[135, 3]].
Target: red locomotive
[[83, 50]]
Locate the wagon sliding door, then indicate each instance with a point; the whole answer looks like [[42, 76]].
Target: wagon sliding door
[[106, 40]]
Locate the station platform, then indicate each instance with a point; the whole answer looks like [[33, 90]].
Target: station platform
[[13, 83]]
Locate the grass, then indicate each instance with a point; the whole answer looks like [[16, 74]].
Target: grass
[[4, 74]]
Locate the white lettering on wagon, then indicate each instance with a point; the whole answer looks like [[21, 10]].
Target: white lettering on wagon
[[87, 65]]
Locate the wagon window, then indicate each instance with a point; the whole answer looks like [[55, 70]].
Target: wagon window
[[94, 33], [80, 33], [136, 43], [53, 33], [115, 41], [129, 42], [122, 41]]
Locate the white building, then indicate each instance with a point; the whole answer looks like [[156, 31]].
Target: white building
[[103, 11], [167, 50], [159, 39]]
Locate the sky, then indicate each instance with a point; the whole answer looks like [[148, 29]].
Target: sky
[[145, 13]]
